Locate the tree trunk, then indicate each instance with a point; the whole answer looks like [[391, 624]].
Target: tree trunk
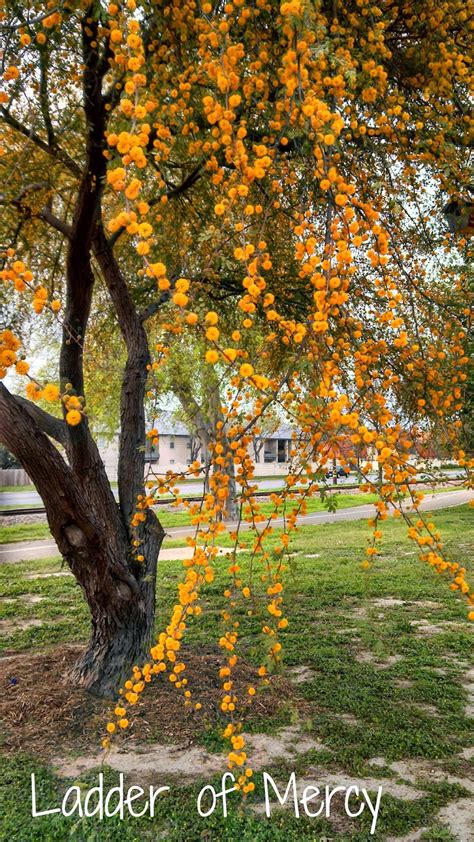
[[122, 634], [231, 511], [94, 540], [122, 615]]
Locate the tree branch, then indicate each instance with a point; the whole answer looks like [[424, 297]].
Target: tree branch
[[79, 274], [44, 99], [55, 151], [46, 214], [131, 464], [54, 427]]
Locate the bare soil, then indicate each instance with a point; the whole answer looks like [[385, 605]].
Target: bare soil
[[42, 714]]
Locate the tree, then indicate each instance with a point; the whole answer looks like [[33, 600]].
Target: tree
[[284, 161]]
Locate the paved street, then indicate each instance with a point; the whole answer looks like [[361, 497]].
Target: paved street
[[30, 550], [32, 498]]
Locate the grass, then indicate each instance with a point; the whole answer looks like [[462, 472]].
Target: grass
[[14, 488], [334, 619]]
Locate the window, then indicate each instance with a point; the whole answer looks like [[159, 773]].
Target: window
[[152, 453], [171, 444]]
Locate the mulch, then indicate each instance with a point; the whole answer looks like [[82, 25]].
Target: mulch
[[42, 715]]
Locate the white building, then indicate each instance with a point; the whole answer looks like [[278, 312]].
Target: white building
[[177, 448]]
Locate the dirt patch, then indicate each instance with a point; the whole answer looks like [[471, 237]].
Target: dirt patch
[[379, 663], [286, 744], [430, 710], [299, 675], [40, 711], [358, 611], [459, 817], [347, 718], [159, 761], [403, 683], [55, 575], [468, 684], [191, 762], [388, 602], [377, 761], [410, 837], [424, 628], [417, 770], [393, 602], [26, 598], [11, 625]]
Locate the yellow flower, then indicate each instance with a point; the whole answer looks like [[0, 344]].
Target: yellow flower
[[157, 269], [73, 417], [180, 299], [22, 367], [50, 392], [246, 370], [145, 229], [212, 357], [182, 285]]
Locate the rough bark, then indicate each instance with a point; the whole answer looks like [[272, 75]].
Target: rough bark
[[95, 543]]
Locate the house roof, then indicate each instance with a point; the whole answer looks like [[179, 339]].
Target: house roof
[[283, 432], [167, 425]]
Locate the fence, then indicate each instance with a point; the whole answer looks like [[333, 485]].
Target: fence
[[14, 476]]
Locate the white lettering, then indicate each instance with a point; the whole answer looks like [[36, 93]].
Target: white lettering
[[373, 810], [76, 804], [346, 804], [267, 779], [34, 811], [309, 794]]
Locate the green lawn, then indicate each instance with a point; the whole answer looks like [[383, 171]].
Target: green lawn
[[400, 693], [10, 488]]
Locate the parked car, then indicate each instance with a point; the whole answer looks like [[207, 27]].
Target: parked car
[[340, 472]]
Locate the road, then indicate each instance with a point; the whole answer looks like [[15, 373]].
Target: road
[[31, 550], [32, 498]]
